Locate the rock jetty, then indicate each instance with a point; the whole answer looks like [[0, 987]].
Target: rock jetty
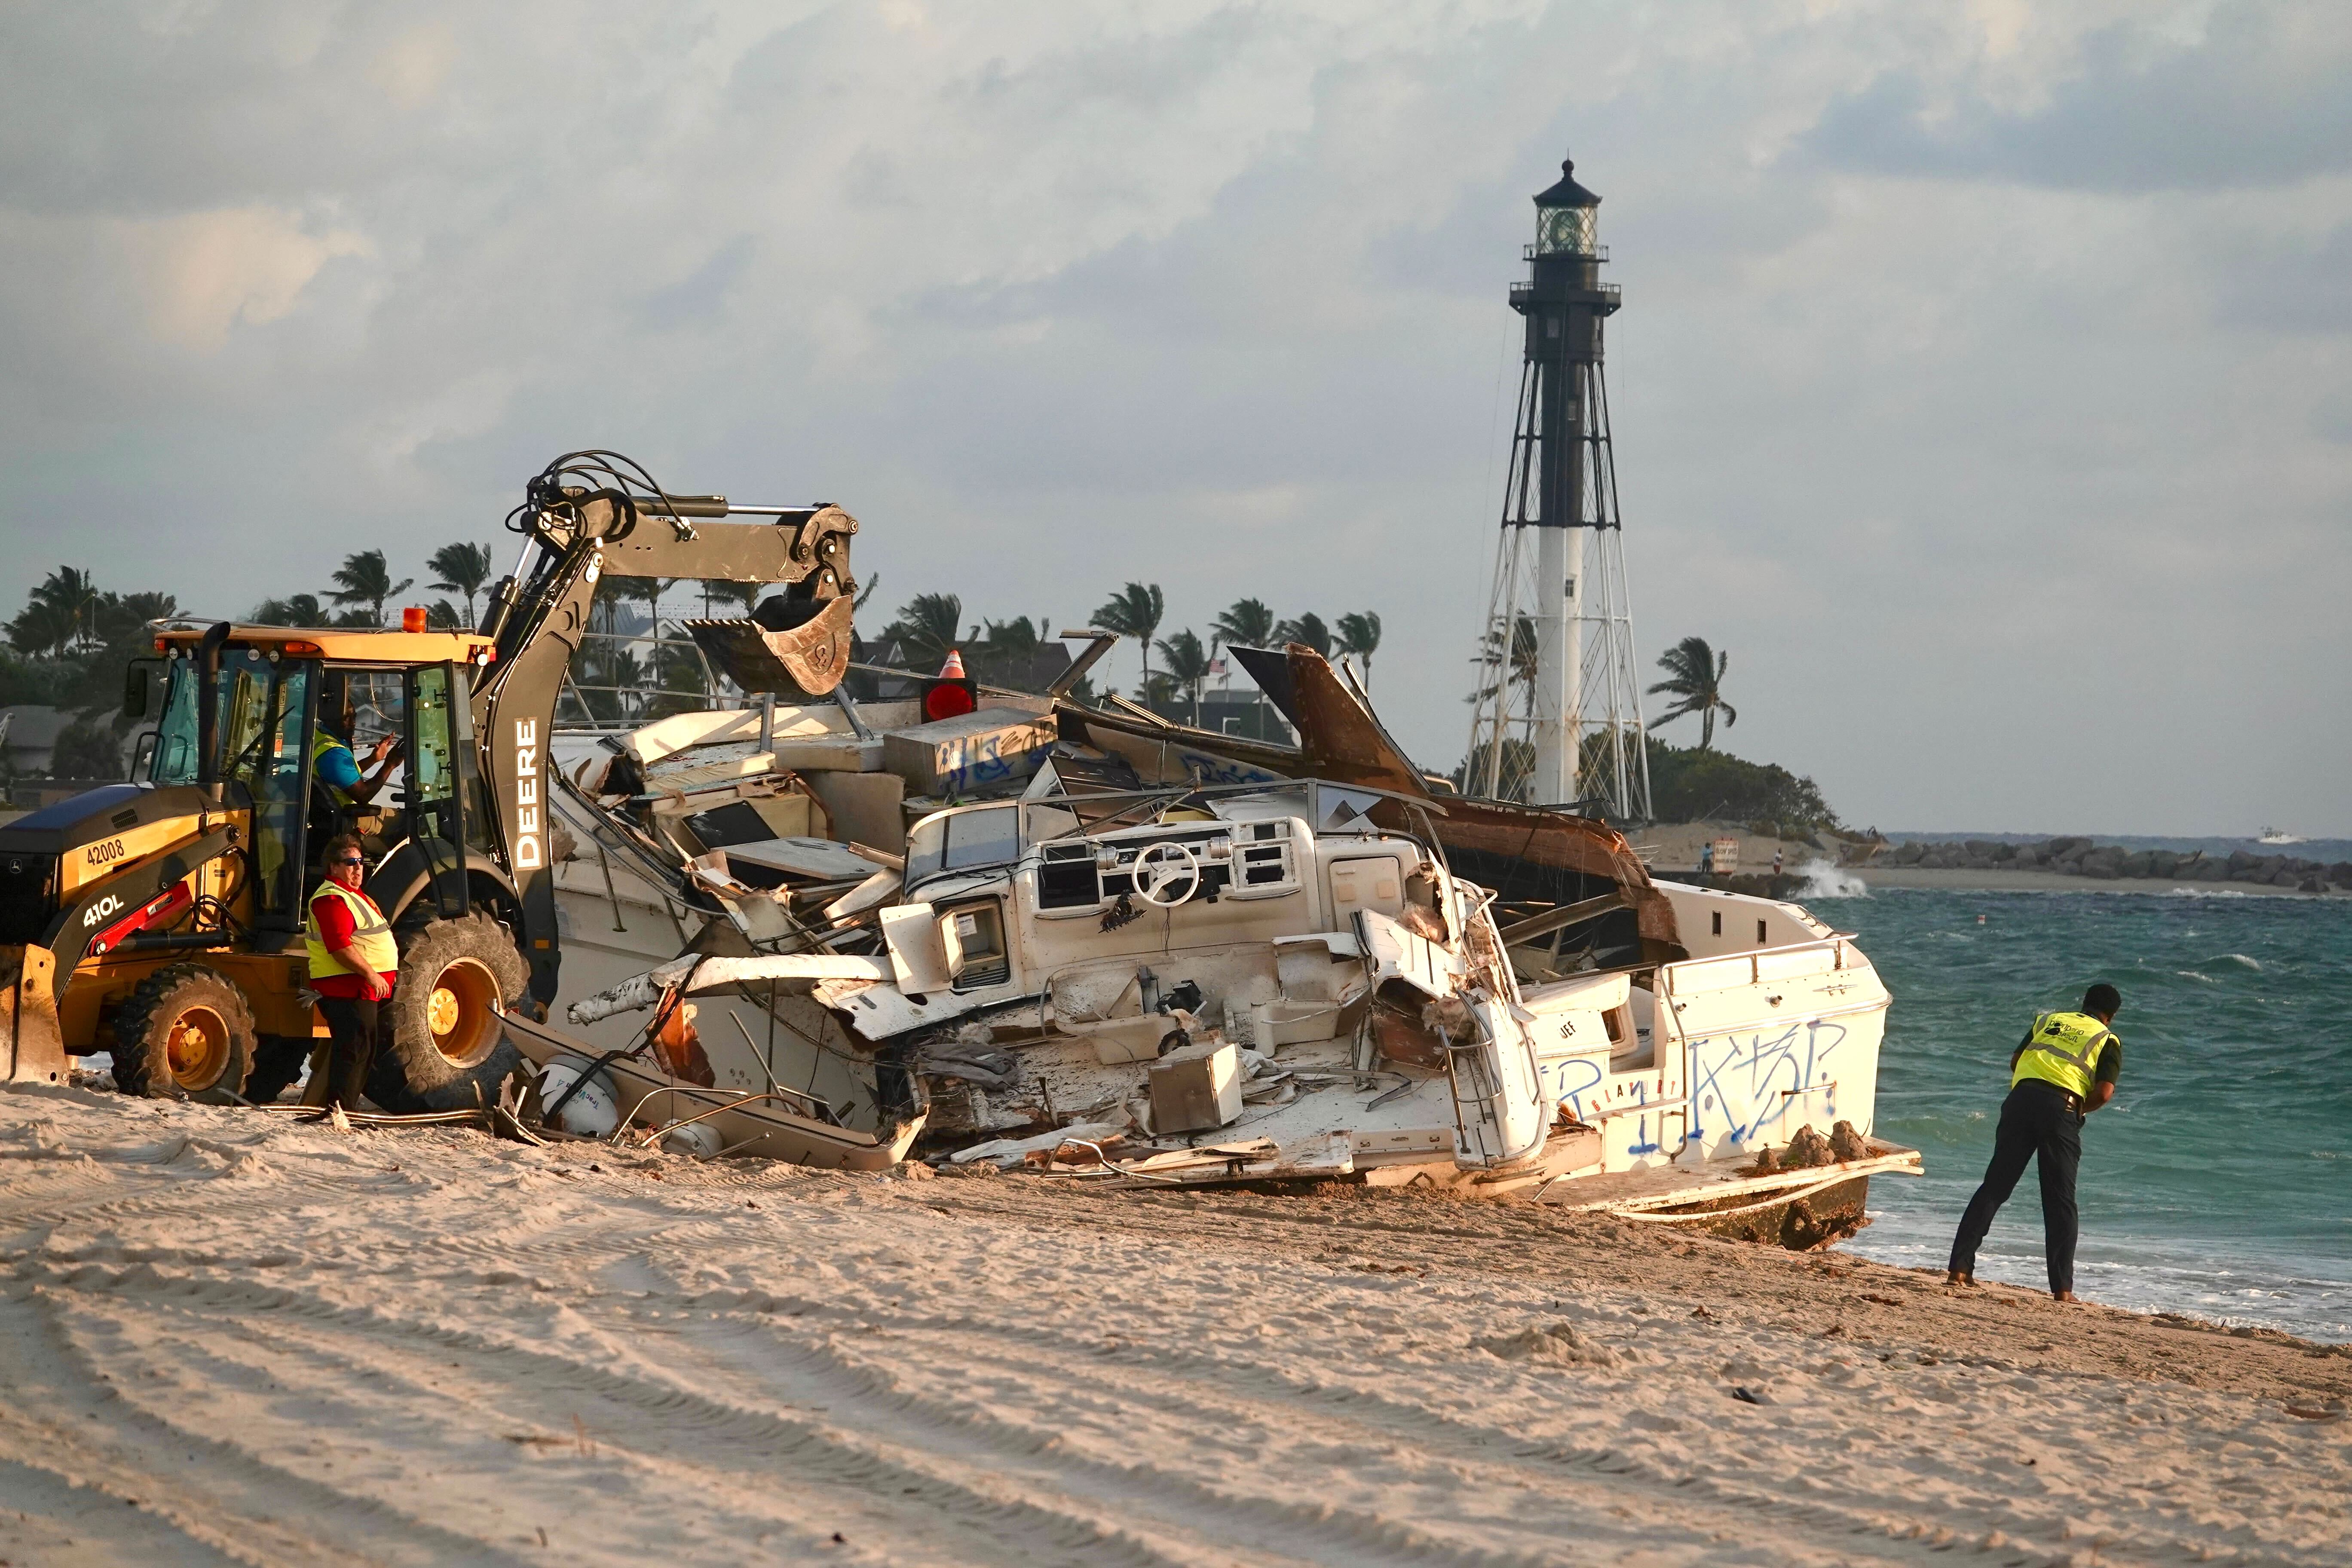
[[2109, 862]]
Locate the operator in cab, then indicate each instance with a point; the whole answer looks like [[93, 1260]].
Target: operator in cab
[[353, 960], [337, 768], [2063, 1069]]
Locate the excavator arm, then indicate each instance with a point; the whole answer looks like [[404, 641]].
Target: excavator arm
[[590, 513]]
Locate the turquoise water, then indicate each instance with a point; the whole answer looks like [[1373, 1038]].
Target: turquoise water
[[2219, 1183]]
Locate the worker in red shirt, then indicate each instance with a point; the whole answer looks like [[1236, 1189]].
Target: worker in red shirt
[[354, 959]]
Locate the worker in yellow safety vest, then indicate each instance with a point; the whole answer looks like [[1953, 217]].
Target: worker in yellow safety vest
[[353, 959], [337, 768], [2063, 1069]]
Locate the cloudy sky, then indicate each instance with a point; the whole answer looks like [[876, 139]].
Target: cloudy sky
[[1982, 383]]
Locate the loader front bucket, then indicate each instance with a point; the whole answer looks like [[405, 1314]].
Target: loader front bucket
[[809, 658], [28, 1016]]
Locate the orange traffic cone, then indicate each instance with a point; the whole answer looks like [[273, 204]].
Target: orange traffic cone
[[953, 669]]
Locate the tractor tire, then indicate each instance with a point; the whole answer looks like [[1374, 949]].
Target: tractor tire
[[186, 1033], [442, 1044]]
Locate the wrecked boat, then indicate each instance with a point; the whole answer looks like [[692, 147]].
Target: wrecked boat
[[1108, 973]]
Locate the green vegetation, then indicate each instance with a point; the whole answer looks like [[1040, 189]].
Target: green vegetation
[[1689, 782]]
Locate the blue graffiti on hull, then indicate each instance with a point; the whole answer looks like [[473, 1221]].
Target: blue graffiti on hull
[[1569, 1080], [1761, 1076]]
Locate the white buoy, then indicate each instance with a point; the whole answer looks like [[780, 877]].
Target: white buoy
[[698, 1138], [593, 1112]]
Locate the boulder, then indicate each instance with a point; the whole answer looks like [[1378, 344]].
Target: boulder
[[2311, 885], [2240, 861], [2061, 848], [2105, 862], [2163, 863], [1979, 846], [2138, 863], [1908, 855], [2341, 873], [1932, 861]]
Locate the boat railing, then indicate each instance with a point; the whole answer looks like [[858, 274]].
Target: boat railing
[[1821, 955]]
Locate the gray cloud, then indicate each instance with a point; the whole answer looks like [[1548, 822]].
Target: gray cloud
[[1213, 296], [2257, 98]]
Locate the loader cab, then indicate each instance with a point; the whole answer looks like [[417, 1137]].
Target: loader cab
[[275, 693]]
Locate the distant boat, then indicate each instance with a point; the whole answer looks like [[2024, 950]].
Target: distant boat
[[2277, 836]]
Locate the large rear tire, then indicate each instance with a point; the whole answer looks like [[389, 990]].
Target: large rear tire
[[186, 1033], [442, 1028]]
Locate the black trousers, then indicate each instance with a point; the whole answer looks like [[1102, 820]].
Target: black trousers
[[2036, 1124], [352, 1020]]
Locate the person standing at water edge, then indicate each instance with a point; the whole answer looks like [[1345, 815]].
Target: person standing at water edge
[[2063, 1069], [353, 958]]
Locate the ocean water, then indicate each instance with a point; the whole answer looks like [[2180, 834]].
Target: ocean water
[[2219, 1181]]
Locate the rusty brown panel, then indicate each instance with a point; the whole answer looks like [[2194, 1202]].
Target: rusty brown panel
[[1075, 719], [812, 657], [1343, 738], [1576, 843]]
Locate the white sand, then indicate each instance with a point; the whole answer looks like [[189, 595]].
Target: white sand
[[231, 1340]]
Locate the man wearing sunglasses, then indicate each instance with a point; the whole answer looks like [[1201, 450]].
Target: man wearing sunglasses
[[353, 958]]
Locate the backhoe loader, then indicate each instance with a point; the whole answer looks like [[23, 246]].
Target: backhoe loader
[[162, 920]]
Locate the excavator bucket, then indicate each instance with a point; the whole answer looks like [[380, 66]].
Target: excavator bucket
[[28, 1016], [809, 657]]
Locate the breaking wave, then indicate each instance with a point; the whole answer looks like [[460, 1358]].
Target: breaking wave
[[1823, 880]]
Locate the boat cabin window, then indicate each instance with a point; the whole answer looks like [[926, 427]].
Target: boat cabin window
[[961, 840]]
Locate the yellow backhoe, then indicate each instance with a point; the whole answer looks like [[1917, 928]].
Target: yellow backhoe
[[160, 920]]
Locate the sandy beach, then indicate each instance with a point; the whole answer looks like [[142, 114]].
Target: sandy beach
[[231, 1340]]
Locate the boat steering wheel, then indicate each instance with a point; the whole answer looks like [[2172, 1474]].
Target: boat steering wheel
[[1166, 866]]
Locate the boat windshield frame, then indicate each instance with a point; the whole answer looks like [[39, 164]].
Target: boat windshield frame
[[933, 850]]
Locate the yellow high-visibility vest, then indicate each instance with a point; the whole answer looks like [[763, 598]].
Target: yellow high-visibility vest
[[371, 936], [2064, 1050], [322, 743]]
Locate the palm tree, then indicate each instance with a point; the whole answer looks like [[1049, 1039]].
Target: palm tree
[[1694, 674], [1359, 634], [365, 579], [462, 569], [1248, 624], [1188, 665], [1309, 629], [926, 629], [42, 629], [294, 610], [1019, 636], [57, 613], [1134, 612]]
